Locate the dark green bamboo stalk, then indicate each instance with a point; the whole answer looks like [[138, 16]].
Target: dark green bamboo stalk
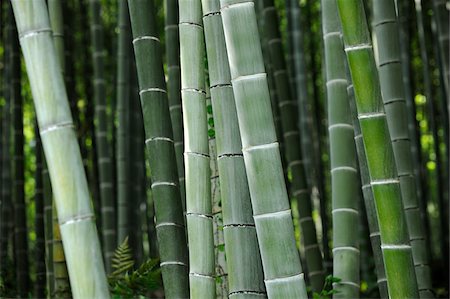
[[299, 188], [245, 276], [124, 120], [273, 220], [105, 166], [48, 224], [75, 215], [20, 224], [174, 87], [40, 283], [196, 152], [395, 245], [369, 201], [345, 184], [440, 8], [61, 284], [158, 134], [389, 65]]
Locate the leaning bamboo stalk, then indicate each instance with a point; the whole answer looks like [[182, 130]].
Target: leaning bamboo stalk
[[160, 144], [395, 245], [293, 152], [196, 152], [104, 160], [75, 215], [245, 276], [174, 87], [389, 66], [345, 184], [284, 277]]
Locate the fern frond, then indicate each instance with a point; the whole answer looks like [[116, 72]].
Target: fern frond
[[122, 260]]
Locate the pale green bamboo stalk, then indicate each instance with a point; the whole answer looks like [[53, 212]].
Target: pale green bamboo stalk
[[389, 66], [103, 146], [345, 184], [283, 273], [293, 152], [196, 152], [160, 144], [245, 276], [75, 215], [395, 245], [174, 87]]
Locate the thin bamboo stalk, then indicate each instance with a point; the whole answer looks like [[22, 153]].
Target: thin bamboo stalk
[[61, 284], [395, 245], [103, 146], [160, 145], [18, 174], [273, 220], [79, 234], [174, 87], [196, 152], [389, 65], [48, 223], [293, 152], [345, 184], [245, 276]]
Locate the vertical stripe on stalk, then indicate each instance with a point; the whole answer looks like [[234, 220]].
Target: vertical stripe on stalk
[[273, 221], [389, 66], [293, 152], [395, 246], [196, 151], [345, 184], [245, 276], [158, 138], [75, 215]]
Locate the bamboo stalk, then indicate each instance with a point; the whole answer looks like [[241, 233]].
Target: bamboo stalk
[[273, 221], [293, 152], [395, 245], [158, 130], [103, 147], [345, 183], [75, 214], [196, 152], [245, 276]]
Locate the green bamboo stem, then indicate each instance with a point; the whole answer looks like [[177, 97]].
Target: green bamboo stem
[[18, 174], [397, 254], [40, 283], [386, 31], [104, 161], [174, 87], [48, 223], [61, 284], [440, 8], [288, 112], [160, 144], [369, 201], [196, 152], [245, 276], [75, 215], [273, 220], [55, 14], [345, 183], [124, 122]]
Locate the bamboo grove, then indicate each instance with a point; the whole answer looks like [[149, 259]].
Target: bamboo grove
[[224, 149]]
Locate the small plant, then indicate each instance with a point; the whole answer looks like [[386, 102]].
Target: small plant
[[327, 290], [126, 284]]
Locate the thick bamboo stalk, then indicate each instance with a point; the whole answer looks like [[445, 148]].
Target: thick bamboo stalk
[[369, 201], [124, 121], [105, 165], [395, 245], [160, 144], [386, 31], [345, 184], [196, 152], [245, 276], [281, 263], [40, 283], [75, 215], [293, 152], [18, 174], [174, 87]]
